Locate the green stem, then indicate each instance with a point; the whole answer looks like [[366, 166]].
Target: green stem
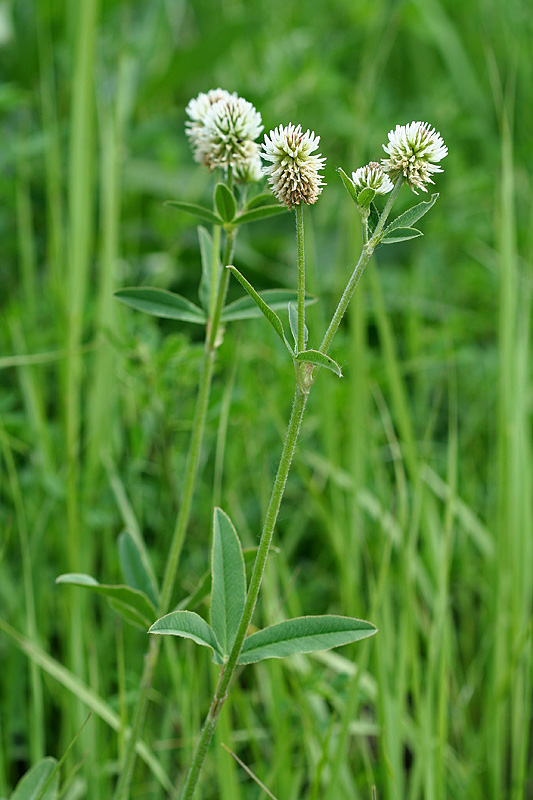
[[304, 378], [364, 258], [289, 446], [182, 520], [301, 275], [386, 211]]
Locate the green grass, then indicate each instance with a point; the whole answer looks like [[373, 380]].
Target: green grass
[[409, 502]]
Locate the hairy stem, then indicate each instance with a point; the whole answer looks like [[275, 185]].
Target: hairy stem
[[301, 275]]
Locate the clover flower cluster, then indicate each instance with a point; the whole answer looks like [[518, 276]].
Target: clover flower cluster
[[222, 130], [293, 172], [373, 177], [414, 151]]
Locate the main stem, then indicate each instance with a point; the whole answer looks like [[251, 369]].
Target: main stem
[[304, 378], [182, 520], [289, 446], [301, 275]]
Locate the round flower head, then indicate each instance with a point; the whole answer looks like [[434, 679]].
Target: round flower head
[[293, 172], [222, 131], [198, 107], [413, 152], [372, 177], [196, 110]]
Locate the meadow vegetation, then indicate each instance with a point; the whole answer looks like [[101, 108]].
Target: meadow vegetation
[[409, 503]]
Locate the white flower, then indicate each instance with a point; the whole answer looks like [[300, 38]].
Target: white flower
[[196, 110], [222, 131], [372, 176], [413, 152], [293, 174], [198, 107]]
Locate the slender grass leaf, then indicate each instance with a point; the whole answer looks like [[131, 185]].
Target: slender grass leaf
[[258, 199], [161, 303], [400, 235], [303, 635], [33, 782], [319, 360], [413, 214], [87, 696], [249, 772], [136, 568], [261, 212], [190, 626], [197, 211], [206, 253], [348, 185], [270, 315], [276, 299], [137, 602], [225, 202], [365, 197], [229, 581]]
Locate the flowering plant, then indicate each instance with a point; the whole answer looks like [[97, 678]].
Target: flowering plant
[[222, 130]]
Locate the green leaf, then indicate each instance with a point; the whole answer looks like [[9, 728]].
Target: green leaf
[[246, 308], [270, 315], [319, 360], [161, 303], [261, 212], [197, 211], [365, 197], [303, 635], [225, 202], [136, 568], [258, 199], [132, 601], [206, 253], [413, 214], [293, 322], [400, 235], [190, 626], [203, 587], [348, 185], [229, 581], [33, 782]]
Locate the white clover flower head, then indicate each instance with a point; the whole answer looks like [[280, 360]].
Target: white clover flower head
[[373, 177], [196, 110], [222, 131], [293, 173], [198, 107], [414, 151]]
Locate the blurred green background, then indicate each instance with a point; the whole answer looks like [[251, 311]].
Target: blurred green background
[[409, 503]]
